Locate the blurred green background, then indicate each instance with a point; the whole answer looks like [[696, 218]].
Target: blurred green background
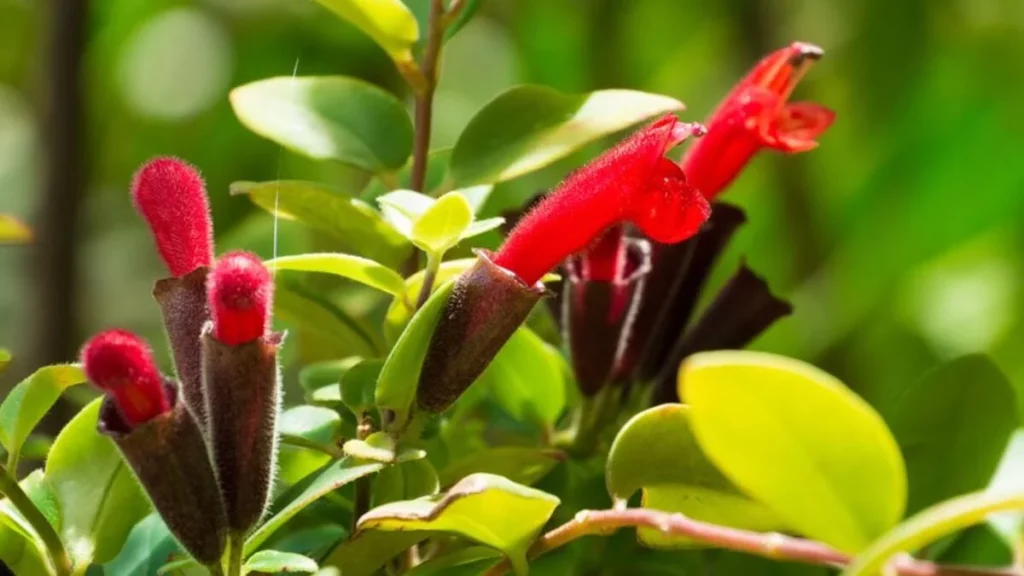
[[897, 240]]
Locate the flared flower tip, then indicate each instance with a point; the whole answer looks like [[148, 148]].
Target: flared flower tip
[[171, 196], [121, 364], [240, 291]]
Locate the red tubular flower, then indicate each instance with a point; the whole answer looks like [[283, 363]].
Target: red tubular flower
[[121, 364], [632, 182], [240, 291], [171, 196], [755, 115]]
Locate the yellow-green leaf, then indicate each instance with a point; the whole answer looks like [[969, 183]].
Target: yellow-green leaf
[[388, 22], [441, 226], [799, 441], [29, 401], [363, 270]]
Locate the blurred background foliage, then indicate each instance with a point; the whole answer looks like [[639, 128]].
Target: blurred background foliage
[[897, 240]]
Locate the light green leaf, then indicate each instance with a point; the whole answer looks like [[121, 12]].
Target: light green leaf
[[304, 308], [930, 525], [351, 220], [21, 549], [380, 447], [772, 426], [5, 359], [388, 22], [953, 427], [100, 500], [373, 274], [396, 388], [29, 401], [520, 464], [326, 373], [480, 226], [402, 208], [656, 452], [530, 127], [527, 379], [328, 118], [14, 231], [273, 562], [313, 423], [471, 561], [328, 480], [442, 225], [368, 550], [146, 550], [359, 385], [407, 480], [476, 508]]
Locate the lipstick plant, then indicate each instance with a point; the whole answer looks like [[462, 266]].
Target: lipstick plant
[[458, 425]]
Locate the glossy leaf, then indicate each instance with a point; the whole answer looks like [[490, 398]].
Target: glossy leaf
[[363, 270], [147, 548], [480, 226], [402, 208], [366, 551], [442, 225], [273, 562], [351, 220], [407, 480], [326, 373], [520, 464], [13, 231], [930, 525], [21, 549], [530, 127], [527, 379], [953, 427], [476, 508], [396, 388], [359, 385], [345, 334], [328, 118], [656, 452], [100, 500], [329, 479], [31, 399], [471, 561], [388, 22], [313, 423], [772, 425]]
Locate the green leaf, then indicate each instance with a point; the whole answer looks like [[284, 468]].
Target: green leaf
[[147, 548], [5, 359], [527, 379], [328, 480], [953, 427], [476, 508], [31, 399], [368, 550], [314, 423], [14, 231], [328, 118], [272, 562], [381, 447], [530, 127], [396, 388], [437, 170], [930, 525], [441, 226], [480, 226], [402, 208], [296, 304], [388, 22], [359, 385], [351, 220], [363, 270], [21, 549], [100, 500], [407, 480], [471, 561], [400, 311], [656, 452], [326, 373], [772, 425], [519, 464]]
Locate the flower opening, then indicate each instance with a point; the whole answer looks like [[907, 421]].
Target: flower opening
[[632, 182], [240, 291], [121, 364], [757, 114], [170, 195]]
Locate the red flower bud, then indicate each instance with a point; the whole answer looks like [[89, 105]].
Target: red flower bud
[[171, 196], [756, 114], [121, 364], [240, 291], [632, 182]]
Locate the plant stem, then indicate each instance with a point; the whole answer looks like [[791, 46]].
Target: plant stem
[[23, 504], [12, 461], [425, 98], [769, 545], [236, 547], [363, 488], [429, 277]]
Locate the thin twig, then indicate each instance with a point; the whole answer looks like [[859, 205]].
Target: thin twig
[[23, 504], [770, 545], [455, 8], [425, 98], [429, 277]]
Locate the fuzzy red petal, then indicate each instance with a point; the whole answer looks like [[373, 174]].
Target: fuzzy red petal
[[121, 364], [240, 291]]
